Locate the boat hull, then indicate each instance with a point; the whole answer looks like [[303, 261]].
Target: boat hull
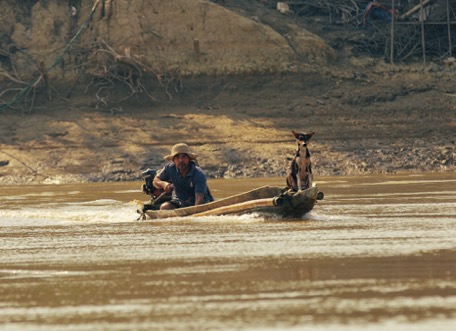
[[273, 200], [292, 204]]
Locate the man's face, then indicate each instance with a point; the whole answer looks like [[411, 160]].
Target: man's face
[[181, 161]]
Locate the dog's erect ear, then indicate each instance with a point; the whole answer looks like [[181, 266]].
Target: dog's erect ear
[[302, 136], [308, 136]]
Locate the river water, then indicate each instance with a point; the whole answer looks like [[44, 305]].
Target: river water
[[378, 252]]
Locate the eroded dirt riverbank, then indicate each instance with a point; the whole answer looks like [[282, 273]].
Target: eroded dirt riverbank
[[241, 128], [235, 105]]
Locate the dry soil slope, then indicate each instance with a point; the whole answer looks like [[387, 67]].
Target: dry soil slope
[[159, 34]]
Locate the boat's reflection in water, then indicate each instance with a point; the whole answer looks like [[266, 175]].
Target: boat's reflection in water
[[376, 253]]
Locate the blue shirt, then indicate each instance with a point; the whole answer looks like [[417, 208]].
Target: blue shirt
[[186, 187]]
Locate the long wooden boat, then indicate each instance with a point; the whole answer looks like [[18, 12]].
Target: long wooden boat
[[275, 200]]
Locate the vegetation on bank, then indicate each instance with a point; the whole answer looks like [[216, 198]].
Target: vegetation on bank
[[126, 51]]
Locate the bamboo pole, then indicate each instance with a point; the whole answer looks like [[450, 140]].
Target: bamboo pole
[[238, 208], [392, 33], [450, 46], [423, 40], [416, 8]]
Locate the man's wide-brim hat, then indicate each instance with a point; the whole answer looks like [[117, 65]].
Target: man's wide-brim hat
[[180, 149]]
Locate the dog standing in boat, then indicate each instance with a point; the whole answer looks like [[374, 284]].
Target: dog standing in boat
[[300, 174]]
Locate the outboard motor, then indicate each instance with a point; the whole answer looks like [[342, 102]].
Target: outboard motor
[[148, 187], [157, 196]]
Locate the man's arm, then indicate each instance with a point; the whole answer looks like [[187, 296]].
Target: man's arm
[[200, 186], [199, 198], [166, 186]]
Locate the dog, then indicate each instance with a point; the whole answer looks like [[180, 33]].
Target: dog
[[300, 174]]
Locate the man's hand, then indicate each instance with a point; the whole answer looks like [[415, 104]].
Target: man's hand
[[168, 188]]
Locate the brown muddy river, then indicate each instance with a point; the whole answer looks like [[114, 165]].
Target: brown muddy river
[[378, 253]]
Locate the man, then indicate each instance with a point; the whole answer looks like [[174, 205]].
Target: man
[[184, 178]]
